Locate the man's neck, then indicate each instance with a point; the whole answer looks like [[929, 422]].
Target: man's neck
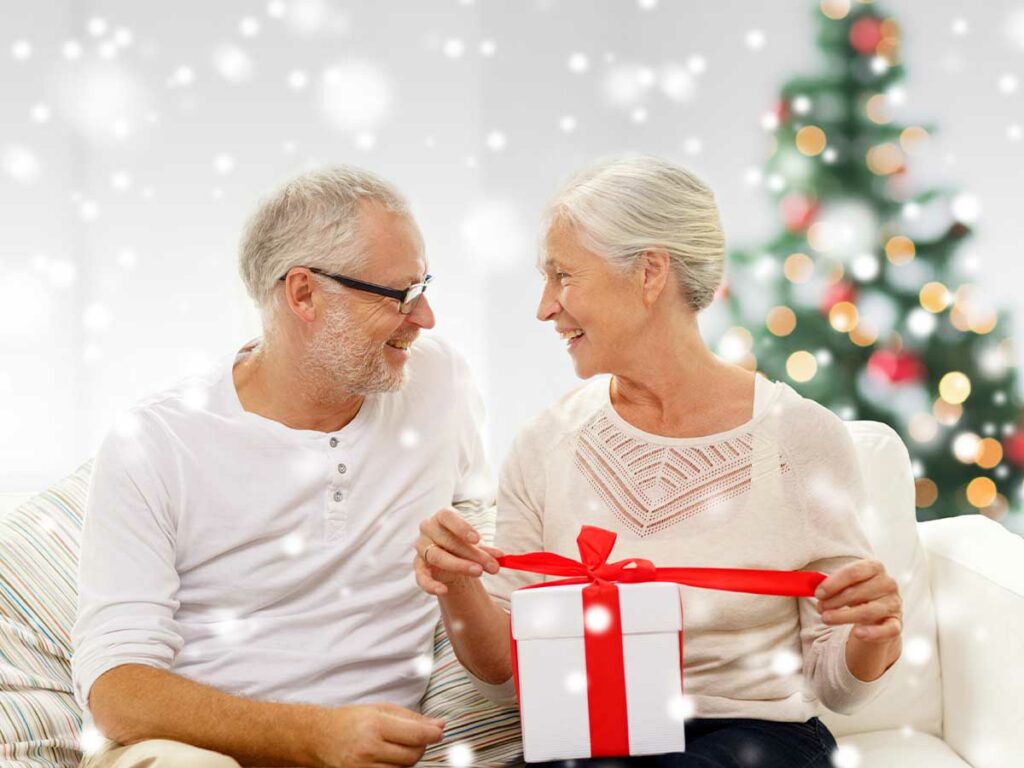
[[271, 384]]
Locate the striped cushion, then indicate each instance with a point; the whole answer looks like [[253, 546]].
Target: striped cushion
[[477, 732], [39, 719]]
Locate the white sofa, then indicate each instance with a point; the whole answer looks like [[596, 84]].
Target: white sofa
[[955, 699]]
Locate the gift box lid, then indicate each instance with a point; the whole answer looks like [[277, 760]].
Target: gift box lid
[[550, 612]]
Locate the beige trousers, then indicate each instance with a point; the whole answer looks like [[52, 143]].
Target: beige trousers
[[156, 753]]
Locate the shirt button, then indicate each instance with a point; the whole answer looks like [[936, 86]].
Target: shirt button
[[342, 469], [334, 442], [337, 496]]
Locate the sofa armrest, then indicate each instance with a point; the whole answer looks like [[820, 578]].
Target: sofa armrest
[[977, 578]]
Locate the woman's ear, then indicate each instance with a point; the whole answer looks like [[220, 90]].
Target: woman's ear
[[654, 268]]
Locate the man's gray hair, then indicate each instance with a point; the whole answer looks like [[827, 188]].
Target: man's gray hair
[[624, 206], [311, 221]]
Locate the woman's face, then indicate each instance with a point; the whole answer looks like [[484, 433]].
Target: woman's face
[[594, 306]]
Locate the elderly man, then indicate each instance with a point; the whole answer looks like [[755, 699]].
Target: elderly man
[[245, 594]]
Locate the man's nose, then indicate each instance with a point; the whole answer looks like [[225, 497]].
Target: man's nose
[[422, 314]]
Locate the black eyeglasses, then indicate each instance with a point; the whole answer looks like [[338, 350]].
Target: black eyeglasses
[[407, 299]]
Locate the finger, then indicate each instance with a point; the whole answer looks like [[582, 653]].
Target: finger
[[492, 551], [443, 538], [427, 582], [391, 753], [400, 711], [863, 592], [410, 732], [442, 560], [458, 525], [865, 613], [850, 574], [889, 629]]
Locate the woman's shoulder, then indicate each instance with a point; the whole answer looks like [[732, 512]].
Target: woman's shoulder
[[806, 428]]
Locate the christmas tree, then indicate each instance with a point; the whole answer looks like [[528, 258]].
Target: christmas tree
[[863, 301]]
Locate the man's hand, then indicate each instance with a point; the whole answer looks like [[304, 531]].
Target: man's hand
[[373, 736]]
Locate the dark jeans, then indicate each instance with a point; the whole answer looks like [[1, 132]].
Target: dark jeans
[[733, 743]]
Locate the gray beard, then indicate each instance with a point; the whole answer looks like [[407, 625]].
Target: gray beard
[[342, 361]]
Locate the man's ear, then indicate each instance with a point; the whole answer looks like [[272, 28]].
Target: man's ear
[[298, 294], [655, 268]]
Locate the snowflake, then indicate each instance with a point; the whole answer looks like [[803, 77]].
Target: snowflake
[[496, 141], [249, 27], [677, 83], [846, 756], [578, 63], [91, 740], [453, 48], [21, 50], [233, 63], [460, 755], [576, 682], [20, 164], [223, 164], [917, 650], [423, 664], [786, 663], [681, 708], [597, 619], [355, 95], [755, 39], [294, 544]]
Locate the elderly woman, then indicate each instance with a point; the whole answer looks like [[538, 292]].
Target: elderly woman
[[693, 462]]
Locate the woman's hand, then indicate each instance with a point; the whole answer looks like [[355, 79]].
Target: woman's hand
[[863, 594], [448, 551]]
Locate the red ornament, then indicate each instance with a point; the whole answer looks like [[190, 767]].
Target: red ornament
[[722, 292], [896, 367], [782, 111], [866, 34], [797, 211], [1013, 448], [841, 291]]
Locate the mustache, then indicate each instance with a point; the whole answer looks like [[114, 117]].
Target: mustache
[[408, 338]]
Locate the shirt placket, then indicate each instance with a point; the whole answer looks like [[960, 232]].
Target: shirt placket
[[338, 487]]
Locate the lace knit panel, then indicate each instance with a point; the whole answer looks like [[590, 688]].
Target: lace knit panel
[[651, 487]]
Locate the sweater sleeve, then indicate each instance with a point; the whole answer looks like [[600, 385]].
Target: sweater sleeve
[[831, 490], [128, 582]]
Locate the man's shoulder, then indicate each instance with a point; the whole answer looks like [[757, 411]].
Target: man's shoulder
[[167, 409]]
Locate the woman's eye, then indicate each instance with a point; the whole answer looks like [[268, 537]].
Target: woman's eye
[[560, 276]]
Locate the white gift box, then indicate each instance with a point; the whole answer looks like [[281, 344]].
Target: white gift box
[[548, 632]]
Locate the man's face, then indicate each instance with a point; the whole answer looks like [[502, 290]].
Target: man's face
[[360, 342]]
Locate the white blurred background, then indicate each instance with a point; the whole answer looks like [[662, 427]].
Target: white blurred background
[[136, 138]]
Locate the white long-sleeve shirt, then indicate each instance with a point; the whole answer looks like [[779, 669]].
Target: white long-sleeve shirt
[[779, 492], [270, 562]]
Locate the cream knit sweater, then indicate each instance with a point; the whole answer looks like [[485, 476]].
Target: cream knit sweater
[[778, 492]]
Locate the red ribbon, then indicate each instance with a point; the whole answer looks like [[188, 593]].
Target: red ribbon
[[606, 676]]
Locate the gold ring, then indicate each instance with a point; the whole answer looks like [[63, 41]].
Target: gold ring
[[426, 549]]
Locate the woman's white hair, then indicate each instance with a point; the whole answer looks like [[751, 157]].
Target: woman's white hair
[[622, 207], [311, 221]]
